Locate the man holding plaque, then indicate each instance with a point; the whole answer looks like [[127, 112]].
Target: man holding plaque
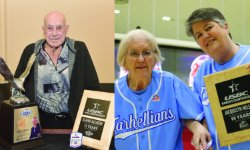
[[211, 31], [62, 70]]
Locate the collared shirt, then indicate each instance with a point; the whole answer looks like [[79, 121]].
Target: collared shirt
[[53, 82]]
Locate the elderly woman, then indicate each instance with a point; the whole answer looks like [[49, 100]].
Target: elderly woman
[[151, 106]]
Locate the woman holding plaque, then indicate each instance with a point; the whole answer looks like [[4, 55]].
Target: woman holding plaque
[[211, 31], [151, 106]]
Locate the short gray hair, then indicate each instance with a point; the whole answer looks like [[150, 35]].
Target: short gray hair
[[204, 14], [130, 38]]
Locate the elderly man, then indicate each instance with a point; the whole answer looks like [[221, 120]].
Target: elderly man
[[62, 70]]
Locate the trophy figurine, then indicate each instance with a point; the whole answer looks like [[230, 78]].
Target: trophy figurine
[[16, 84], [17, 113]]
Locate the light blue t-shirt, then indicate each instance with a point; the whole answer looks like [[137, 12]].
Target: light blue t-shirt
[[151, 119], [210, 67]]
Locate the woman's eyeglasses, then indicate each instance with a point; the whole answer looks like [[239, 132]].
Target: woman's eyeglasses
[[145, 54]]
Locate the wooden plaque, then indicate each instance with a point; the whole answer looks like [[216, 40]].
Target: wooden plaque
[[95, 119], [229, 96]]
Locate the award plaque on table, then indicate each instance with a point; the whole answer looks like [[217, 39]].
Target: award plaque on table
[[95, 119], [19, 119], [229, 97]]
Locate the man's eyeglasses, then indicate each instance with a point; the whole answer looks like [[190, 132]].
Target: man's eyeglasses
[[51, 28], [145, 54]]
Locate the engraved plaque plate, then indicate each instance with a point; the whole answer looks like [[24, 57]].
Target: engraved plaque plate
[[91, 128]]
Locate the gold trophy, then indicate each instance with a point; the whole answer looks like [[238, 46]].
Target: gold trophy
[[19, 118]]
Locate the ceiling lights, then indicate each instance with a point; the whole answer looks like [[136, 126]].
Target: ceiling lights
[[117, 11], [167, 18]]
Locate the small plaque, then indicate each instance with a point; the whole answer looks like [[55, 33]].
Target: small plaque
[[75, 140], [229, 96], [95, 119]]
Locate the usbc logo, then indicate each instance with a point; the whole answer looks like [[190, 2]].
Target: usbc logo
[[234, 87], [26, 112], [234, 90], [96, 106]]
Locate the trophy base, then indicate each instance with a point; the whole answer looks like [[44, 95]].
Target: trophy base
[[21, 146], [16, 122]]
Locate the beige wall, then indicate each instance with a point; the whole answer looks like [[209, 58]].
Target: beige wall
[[91, 21]]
